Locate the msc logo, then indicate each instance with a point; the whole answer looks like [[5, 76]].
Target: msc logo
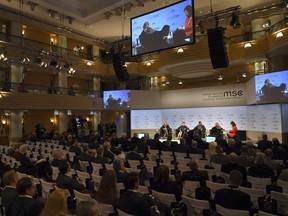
[[234, 93]]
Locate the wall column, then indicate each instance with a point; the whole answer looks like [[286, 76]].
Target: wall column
[[96, 120], [16, 74], [62, 44], [15, 126], [96, 84], [63, 121], [16, 30], [62, 81]]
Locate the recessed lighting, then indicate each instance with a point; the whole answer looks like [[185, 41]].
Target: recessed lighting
[[247, 45], [220, 77]]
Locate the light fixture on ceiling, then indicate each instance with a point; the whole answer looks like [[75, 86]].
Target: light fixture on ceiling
[[220, 77], [279, 34], [52, 13], [70, 19], [244, 75], [24, 60], [180, 82], [3, 57], [108, 14], [43, 64], [247, 45], [180, 50], [88, 63], [71, 70], [148, 64], [267, 24], [235, 21], [32, 5], [167, 82], [0, 95], [118, 11]]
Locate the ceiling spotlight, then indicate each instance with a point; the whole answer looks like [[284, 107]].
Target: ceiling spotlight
[[235, 21], [244, 75], [247, 45], [267, 24], [180, 50], [220, 77], [148, 64], [70, 20], [71, 71], [52, 13], [25, 60], [180, 82], [167, 82], [3, 57], [32, 5], [43, 64], [89, 63], [279, 34]]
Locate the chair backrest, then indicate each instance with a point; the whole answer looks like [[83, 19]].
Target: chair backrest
[[97, 180], [217, 168], [133, 163], [121, 213], [254, 195], [55, 172], [164, 198], [261, 213], [104, 209], [228, 212], [47, 187], [80, 197], [196, 156], [82, 176], [83, 165], [202, 164], [143, 189], [109, 166], [282, 202], [283, 184], [195, 206], [68, 194], [259, 183], [96, 167], [189, 187]]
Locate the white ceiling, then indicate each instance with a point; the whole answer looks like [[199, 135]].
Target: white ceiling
[[90, 19]]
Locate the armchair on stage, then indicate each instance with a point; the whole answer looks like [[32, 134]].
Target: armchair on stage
[[165, 130], [153, 41]]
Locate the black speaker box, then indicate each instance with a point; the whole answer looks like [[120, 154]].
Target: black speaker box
[[217, 47], [119, 67]]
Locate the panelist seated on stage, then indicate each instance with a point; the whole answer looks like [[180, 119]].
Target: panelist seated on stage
[[216, 130], [182, 129], [165, 130], [200, 129], [151, 39]]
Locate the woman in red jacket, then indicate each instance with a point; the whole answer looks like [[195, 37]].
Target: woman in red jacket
[[233, 131]]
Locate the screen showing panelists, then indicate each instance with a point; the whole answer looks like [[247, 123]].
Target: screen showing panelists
[[167, 27], [119, 99], [272, 87]]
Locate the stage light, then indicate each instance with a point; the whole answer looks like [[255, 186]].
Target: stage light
[[148, 64], [89, 63], [247, 45], [180, 82], [244, 74], [235, 21], [180, 50], [279, 34], [267, 24]]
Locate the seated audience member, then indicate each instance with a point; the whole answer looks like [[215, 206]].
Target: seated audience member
[[264, 143], [279, 153], [107, 192], [232, 197], [27, 166], [270, 162], [284, 175], [100, 159], [221, 141], [108, 152], [124, 140], [232, 165], [56, 204], [9, 192], [133, 155], [163, 184], [57, 155], [64, 181], [25, 204], [251, 148], [219, 157], [11, 152], [260, 168], [193, 175], [232, 147], [181, 147], [75, 148], [211, 150], [156, 143], [85, 156], [86, 208], [245, 159], [142, 146], [216, 130], [120, 170], [133, 202], [194, 149]]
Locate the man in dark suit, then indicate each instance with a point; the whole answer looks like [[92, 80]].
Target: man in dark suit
[[193, 175], [264, 143], [134, 203], [9, 193], [108, 152], [66, 182], [194, 149], [100, 159], [232, 165], [120, 170], [133, 155], [25, 204], [232, 197], [219, 157]]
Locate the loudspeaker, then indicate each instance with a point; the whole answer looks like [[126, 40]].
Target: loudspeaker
[[217, 47], [120, 68]]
